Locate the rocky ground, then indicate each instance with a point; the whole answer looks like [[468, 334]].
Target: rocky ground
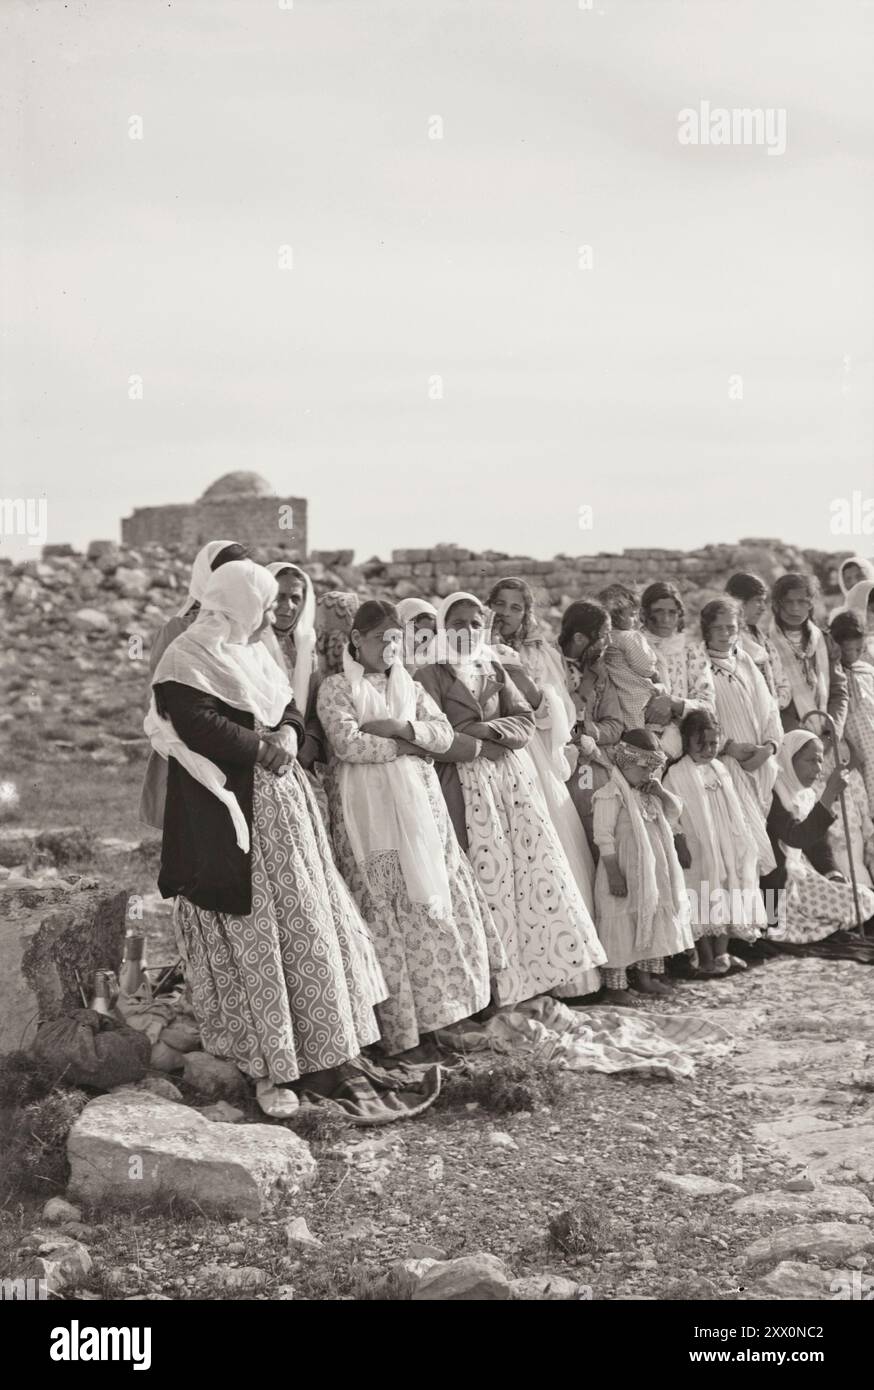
[[755, 1179]]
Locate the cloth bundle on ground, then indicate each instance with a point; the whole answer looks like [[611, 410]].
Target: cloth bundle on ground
[[86, 1048], [367, 1094], [603, 1040]]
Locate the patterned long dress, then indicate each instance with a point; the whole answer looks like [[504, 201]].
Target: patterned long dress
[[860, 720], [541, 917], [543, 667], [290, 988], [438, 970]]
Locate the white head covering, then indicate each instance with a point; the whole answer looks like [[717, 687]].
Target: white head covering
[[858, 598], [864, 565], [410, 608], [201, 572], [797, 798], [216, 656], [303, 634], [444, 649]]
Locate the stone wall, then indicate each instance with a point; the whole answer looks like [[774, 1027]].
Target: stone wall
[[252, 520]]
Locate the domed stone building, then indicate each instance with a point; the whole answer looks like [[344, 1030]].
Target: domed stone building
[[239, 506]]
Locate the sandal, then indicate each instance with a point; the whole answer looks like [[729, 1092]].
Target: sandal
[[737, 963]]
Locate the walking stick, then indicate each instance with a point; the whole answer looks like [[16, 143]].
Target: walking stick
[[822, 714]]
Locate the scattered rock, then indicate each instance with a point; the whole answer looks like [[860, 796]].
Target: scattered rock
[[825, 1240], [156, 1086], [502, 1140], [420, 1251], [694, 1185], [57, 1209], [61, 1261], [794, 1279], [213, 1077], [298, 1236], [222, 1113], [137, 1143], [479, 1278], [817, 1201], [543, 1287]]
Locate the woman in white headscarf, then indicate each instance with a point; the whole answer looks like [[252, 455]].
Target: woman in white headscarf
[[813, 899], [419, 624], [294, 630], [209, 558], [395, 845], [860, 600], [279, 962], [853, 571], [499, 813]]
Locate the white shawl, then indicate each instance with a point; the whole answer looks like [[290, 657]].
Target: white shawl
[[201, 572], [385, 805], [214, 655]]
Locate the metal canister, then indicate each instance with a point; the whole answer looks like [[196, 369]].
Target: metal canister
[[101, 1002]]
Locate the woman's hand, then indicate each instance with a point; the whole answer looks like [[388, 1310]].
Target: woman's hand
[[493, 751], [837, 780], [741, 752], [387, 728], [409, 750], [273, 756], [476, 729], [760, 756], [587, 746], [659, 710]]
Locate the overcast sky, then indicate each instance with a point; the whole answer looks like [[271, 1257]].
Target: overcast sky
[[416, 258]]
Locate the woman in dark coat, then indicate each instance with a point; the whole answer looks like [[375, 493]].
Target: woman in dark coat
[[281, 969], [813, 899]]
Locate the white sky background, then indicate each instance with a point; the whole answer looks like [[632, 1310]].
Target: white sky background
[[458, 257]]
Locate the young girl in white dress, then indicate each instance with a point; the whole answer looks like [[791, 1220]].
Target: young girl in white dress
[[716, 849]]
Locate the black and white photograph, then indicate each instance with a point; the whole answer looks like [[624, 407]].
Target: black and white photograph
[[437, 668]]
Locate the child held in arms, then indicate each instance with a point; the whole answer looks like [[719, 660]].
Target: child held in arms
[[632, 664]]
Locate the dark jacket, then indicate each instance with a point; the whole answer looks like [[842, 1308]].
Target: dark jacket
[[200, 858], [513, 728], [808, 835]]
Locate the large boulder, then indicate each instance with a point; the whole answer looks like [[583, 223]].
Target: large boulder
[[820, 1240], [134, 1144], [47, 935]]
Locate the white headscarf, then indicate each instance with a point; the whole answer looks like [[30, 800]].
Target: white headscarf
[[216, 656], [303, 634], [444, 650], [858, 599], [797, 799], [864, 565], [201, 572], [410, 608], [385, 805]]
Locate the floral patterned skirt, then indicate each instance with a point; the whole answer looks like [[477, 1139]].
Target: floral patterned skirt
[[288, 989]]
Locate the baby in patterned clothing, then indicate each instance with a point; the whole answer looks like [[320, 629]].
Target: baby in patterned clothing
[[630, 661]]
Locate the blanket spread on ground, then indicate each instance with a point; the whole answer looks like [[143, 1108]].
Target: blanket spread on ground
[[595, 1039]]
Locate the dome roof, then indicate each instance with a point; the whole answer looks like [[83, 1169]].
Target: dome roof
[[239, 484]]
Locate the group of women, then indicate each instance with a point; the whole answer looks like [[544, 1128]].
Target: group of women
[[380, 820]]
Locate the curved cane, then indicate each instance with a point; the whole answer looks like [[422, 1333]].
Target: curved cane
[[822, 714]]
